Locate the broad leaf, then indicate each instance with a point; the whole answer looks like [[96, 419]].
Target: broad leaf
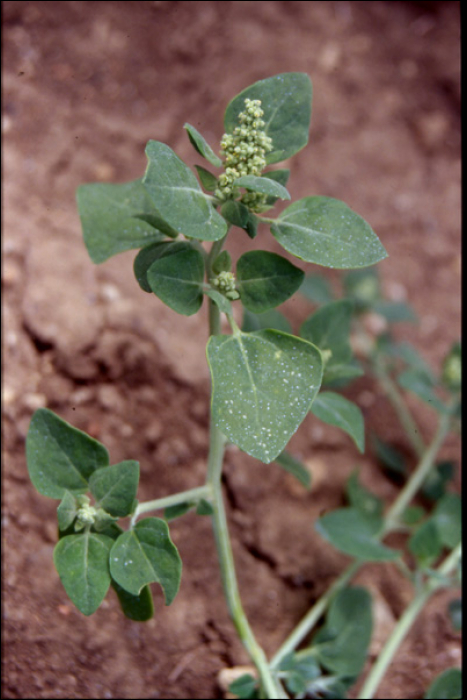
[[336, 410], [270, 319], [263, 385], [146, 554], [342, 644], [177, 280], [149, 254], [293, 466], [116, 218], [66, 511], [201, 145], [207, 179], [60, 457], [447, 686], [329, 329], [235, 213], [355, 534], [266, 280], [82, 562], [115, 487], [178, 197], [327, 232], [286, 103], [139, 608], [263, 185]]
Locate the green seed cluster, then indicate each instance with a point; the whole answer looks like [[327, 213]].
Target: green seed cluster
[[225, 283], [244, 154]]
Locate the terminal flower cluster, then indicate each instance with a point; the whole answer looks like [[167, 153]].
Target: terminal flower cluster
[[244, 152], [225, 283]]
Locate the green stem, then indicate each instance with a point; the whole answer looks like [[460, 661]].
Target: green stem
[[403, 626], [189, 496]]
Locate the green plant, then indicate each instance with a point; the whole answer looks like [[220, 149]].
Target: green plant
[[264, 383]]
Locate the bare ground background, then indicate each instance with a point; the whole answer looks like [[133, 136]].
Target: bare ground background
[[86, 85]]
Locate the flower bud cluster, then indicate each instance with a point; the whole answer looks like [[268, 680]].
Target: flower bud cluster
[[244, 152], [225, 283]]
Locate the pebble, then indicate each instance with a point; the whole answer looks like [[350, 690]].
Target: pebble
[[34, 401]]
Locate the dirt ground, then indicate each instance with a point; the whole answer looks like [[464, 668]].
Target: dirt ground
[[86, 85]]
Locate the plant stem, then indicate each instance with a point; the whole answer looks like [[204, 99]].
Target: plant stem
[[189, 496], [404, 624]]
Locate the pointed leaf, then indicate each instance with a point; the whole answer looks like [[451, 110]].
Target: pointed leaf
[[146, 554], [295, 467], [263, 185], [112, 217], [207, 179], [177, 280], [329, 329], [327, 232], [266, 280], [336, 410], [355, 534], [59, 456], [263, 385], [286, 103], [201, 145], [235, 213], [82, 562], [66, 511], [115, 487], [139, 608], [178, 197]]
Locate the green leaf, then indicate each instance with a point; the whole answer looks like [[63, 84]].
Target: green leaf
[[359, 497], [408, 354], [317, 289], [263, 185], [173, 512], [363, 287], [201, 145], [286, 102], [235, 213], [139, 608], [447, 517], [342, 644], [263, 385], [177, 280], [266, 280], [412, 515], [244, 687], [116, 218], [269, 319], [329, 329], [59, 456], [252, 224], [455, 613], [207, 179], [220, 300], [418, 383], [337, 376], [223, 263], [392, 459], [434, 486], [146, 554], [281, 175], [178, 197], [150, 254], [295, 467], [395, 311], [344, 414], [447, 686], [115, 487], [355, 534], [204, 507], [66, 511], [327, 232], [425, 544], [82, 562]]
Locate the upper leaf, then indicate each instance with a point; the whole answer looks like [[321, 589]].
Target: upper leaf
[[336, 410], [327, 232], [263, 185], [115, 487], [263, 385], [265, 280], [177, 279], [59, 456], [146, 554], [178, 197], [116, 218], [286, 103], [201, 145]]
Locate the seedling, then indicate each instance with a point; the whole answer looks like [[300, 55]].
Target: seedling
[[265, 381]]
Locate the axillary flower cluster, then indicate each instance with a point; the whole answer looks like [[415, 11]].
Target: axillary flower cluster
[[244, 152]]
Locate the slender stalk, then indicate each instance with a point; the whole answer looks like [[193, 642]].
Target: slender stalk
[[189, 496], [403, 626]]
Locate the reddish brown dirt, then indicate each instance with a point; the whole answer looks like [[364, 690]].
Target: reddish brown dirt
[[86, 84]]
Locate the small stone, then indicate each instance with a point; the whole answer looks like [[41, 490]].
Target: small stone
[[34, 401]]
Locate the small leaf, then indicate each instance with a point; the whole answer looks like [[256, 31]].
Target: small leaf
[[413, 515], [395, 311], [178, 197], [447, 686], [263, 185], [220, 300], [115, 487], [252, 224], [414, 381], [146, 554], [177, 280], [113, 218], [286, 103], [207, 179], [204, 508], [173, 512], [244, 687], [339, 411], [263, 385], [355, 534], [392, 459], [66, 511], [361, 498], [235, 213], [329, 329], [455, 613], [149, 254], [201, 145], [327, 232], [281, 175], [434, 486], [425, 544], [447, 517], [266, 280], [59, 456], [269, 319], [223, 263], [295, 467], [139, 608], [317, 289], [82, 562], [337, 375]]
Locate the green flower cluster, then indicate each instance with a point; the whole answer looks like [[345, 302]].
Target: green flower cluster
[[225, 283], [244, 152]]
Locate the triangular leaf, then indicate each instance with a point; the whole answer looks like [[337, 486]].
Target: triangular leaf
[[66, 511], [115, 487]]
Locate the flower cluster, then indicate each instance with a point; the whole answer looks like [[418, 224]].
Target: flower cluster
[[225, 283], [244, 152]]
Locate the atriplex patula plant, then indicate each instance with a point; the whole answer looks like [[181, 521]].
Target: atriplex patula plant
[[264, 382]]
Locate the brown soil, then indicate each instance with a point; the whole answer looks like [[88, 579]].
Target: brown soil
[[86, 85]]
